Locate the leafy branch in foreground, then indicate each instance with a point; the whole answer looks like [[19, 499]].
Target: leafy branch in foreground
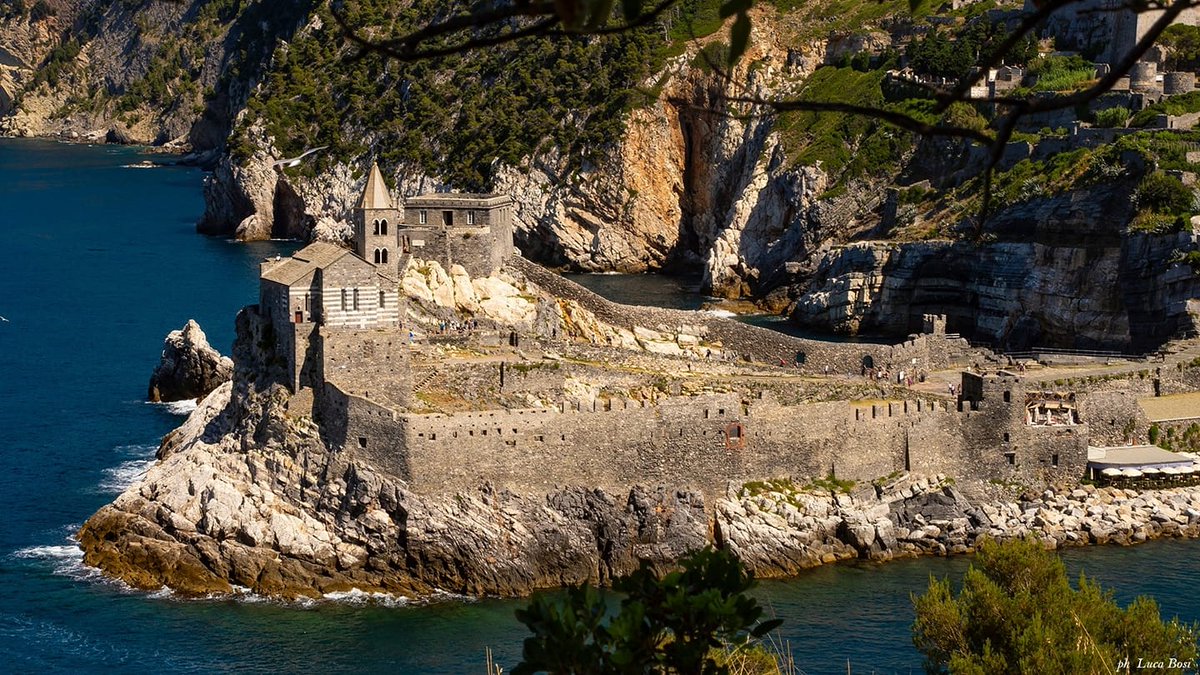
[[1016, 614], [681, 622]]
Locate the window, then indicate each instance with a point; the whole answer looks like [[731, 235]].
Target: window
[[470, 217], [345, 296], [383, 228], [448, 218], [735, 436], [377, 260], [375, 226], [307, 300], [356, 298], [382, 299], [422, 217], [362, 441], [1007, 396], [1054, 460], [384, 252], [1012, 458]]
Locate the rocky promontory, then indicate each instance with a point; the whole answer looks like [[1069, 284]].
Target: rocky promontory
[[247, 498], [189, 368]]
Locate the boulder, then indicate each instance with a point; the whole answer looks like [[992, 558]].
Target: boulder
[[189, 367]]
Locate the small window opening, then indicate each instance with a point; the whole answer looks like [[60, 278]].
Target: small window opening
[[1054, 460], [382, 299], [470, 217], [423, 217], [383, 228], [1011, 457], [362, 441], [448, 218], [356, 298]]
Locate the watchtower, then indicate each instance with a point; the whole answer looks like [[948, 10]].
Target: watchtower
[[376, 222]]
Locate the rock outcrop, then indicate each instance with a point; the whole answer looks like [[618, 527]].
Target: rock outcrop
[[1061, 271], [190, 368]]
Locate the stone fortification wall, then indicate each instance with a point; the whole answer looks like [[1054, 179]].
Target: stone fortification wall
[[703, 442], [754, 343], [369, 363], [365, 429]]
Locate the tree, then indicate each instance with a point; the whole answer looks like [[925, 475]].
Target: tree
[[1017, 614], [670, 623]]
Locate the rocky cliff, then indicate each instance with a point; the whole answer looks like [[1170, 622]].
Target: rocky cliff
[[1061, 271]]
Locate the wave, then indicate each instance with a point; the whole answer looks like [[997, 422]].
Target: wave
[[65, 560], [141, 165], [723, 313], [182, 408], [356, 597], [120, 478]]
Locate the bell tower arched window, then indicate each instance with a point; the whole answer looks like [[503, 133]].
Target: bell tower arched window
[[377, 256], [383, 256], [375, 225], [383, 227]]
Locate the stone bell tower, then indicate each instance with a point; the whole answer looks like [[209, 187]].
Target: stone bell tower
[[376, 221]]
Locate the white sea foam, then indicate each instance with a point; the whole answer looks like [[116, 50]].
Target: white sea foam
[[141, 165], [182, 408], [355, 596], [723, 313], [64, 560], [119, 478]]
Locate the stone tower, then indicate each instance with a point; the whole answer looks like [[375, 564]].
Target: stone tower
[[376, 222]]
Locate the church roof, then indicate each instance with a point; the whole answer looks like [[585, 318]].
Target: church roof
[[375, 194], [317, 255]]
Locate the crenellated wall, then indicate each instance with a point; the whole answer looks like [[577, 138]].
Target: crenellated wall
[[706, 441]]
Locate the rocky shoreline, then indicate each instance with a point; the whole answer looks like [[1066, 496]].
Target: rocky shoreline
[[778, 530]]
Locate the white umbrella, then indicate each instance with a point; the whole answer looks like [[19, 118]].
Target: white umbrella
[[1169, 470], [1132, 473], [1110, 472], [1186, 469], [1150, 472]]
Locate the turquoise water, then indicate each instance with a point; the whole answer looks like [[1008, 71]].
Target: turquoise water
[[97, 263]]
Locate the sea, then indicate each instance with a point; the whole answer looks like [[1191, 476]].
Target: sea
[[99, 259]]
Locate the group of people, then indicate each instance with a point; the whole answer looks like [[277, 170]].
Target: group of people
[[457, 327]]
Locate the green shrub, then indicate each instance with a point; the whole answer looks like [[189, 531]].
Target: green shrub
[[665, 624], [1164, 194], [1017, 613], [1112, 117]]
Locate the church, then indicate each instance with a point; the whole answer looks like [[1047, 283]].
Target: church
[[325, 287]]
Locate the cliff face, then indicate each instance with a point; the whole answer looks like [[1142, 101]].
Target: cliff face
[[1060, 271], [161, 73]]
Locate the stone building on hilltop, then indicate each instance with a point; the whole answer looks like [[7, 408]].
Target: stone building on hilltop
[[324, 289]]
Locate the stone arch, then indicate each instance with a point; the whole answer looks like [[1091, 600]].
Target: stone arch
[[375, 225], [868, 361], [383, 227]]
